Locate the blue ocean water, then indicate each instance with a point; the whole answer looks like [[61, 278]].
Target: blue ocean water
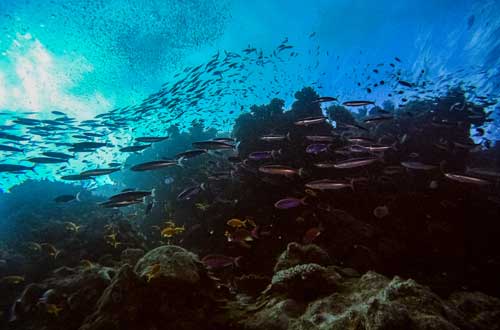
[[85, 58], [209, 164]]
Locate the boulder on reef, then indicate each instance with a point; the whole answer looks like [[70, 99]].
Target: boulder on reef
[[371, 301], [173, 263], [168, 288], [297, 254], [131, 256]]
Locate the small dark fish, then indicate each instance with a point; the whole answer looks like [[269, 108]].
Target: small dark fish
[[484, 172], [224, 139], [261, 155], [310, 121], [27, 121], [148, 208], [325, 165], [218, 261], [377, 119], [357, 103], [418, 166], [279, 170], [354, 126], [151, 139], [4, 147], [381, 211], [46, 160], [275, 138], [153, 165], [130, 195], [327, 184], [135, 148], [57, 155], [190, 154], [15, 168], [360, 140], [112, 204], [369, 148], [479, 131], [190, 192], [325, 99], [11, 137], [114, 164], [316, 148], [320, 138], [466, 179], [470, 21], [212, 145], [75, 177], [99, 171], [355, 163], [67, 198], [311, 234], [93, 134], [405, 83], [59, 113], [288, 203], [89, 145]]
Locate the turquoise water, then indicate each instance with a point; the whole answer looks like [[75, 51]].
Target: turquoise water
[[210, 164], [85, 58]]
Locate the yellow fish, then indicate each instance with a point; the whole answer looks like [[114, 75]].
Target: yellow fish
[[12, 279], [53, 309], [50, 249], [311, 192], [33, 246], [112, 240], [71, 227], [171, 231], [87, 264], [202, 206], [251, 222], [236, 223], [153, 272]]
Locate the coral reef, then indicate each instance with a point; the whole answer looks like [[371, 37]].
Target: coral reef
[[297, 254], [371, 301]]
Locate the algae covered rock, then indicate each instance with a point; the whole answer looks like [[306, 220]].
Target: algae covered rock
[[311, 296], [131, 256], [168, 288], [172, 263], [375, 302], [304, 281], [296, 254]]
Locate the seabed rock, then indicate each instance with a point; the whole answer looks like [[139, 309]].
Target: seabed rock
[[168, 288], [296, 254], [131, 256], [371, 301]]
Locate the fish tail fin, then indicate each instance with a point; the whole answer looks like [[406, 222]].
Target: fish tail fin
[[303, 200], [351, 183], [288, 137], [78, 196], [33, 169], [302, 172], [180, 162], [237, 261]]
